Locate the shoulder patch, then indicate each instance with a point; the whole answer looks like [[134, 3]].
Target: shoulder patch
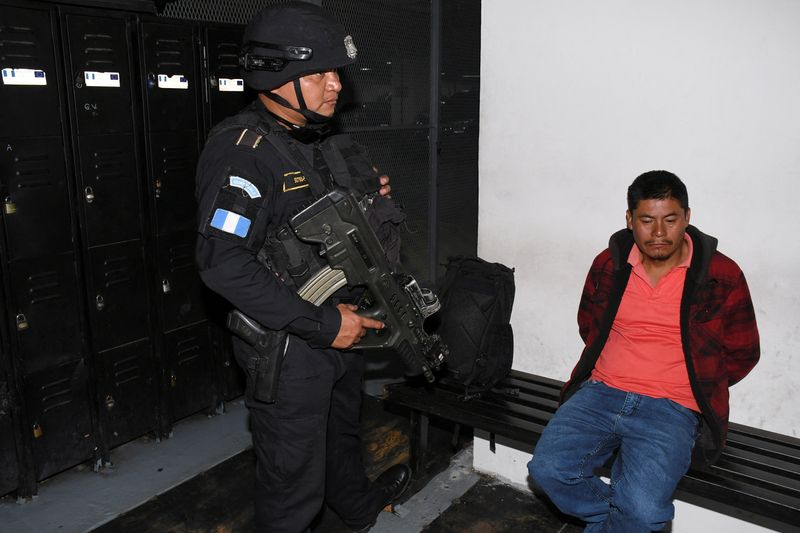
[[230, 222], [245, 185]]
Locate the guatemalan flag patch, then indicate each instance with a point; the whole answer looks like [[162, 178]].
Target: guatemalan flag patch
[[230, 222]]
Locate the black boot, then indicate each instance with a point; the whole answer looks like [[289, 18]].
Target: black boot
[[391, 484]]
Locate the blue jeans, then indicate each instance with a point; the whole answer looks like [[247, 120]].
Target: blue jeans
[[653, 439]]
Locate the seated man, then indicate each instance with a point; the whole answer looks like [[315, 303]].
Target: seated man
[[668, 325]]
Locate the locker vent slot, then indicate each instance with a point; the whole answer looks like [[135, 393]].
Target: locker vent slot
[[188, 351], [228, 56], [126, 370], [116, 271], [108, 164], [181, 258], [169, 53], [17, 42], [98, 51], [56, 394], [44, 287]]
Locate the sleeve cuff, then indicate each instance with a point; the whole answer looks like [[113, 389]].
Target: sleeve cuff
[[320, 331]]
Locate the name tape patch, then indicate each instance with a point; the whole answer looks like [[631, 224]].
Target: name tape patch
[[294, 180], [230, 222]]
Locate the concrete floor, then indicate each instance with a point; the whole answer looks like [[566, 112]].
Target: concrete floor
[[199, 480], [80, 499]]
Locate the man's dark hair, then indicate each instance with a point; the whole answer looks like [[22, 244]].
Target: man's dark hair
[[657, 185]]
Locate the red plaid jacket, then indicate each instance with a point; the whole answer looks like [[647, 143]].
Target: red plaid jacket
[[718, 328]]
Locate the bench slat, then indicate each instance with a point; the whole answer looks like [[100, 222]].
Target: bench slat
[[758, 473]]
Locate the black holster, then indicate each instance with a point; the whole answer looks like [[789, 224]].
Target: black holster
[[264, 369]]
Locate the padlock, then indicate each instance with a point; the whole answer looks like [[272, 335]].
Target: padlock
[[109, 402], [99, 302], [22, 322], [9, 207], [165, 286], [173, 380], [158, 188], [89, 194], [37, 430]]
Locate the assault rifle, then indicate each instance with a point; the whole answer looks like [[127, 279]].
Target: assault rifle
[[337, 222]]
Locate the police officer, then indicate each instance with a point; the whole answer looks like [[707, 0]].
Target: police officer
[[257, 169]]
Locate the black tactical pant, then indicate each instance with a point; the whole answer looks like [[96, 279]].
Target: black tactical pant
[[307, 444]]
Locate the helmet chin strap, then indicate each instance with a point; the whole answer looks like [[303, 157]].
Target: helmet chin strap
[[313, 120]]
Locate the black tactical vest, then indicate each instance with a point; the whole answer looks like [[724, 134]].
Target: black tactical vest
[[337, 162]]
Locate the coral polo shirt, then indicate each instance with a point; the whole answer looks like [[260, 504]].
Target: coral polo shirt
[[643, 353]]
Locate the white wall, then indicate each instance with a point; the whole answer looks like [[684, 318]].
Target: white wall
[[578, 97]]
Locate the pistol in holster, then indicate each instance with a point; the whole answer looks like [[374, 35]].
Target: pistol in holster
[[264, 369]]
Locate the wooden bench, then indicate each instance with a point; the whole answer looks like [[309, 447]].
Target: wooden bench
[[757, 478]]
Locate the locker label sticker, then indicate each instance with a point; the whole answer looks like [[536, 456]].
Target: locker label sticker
[[241, 183], [230, 222], [101, 79], [231, 85], [177, 81], [24, 76]]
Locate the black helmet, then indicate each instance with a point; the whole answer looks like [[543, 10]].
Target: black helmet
[[287, 41]]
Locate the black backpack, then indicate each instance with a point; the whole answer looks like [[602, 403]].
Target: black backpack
[[477, 297]]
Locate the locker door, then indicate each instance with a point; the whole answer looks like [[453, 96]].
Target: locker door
[[189, 361], [35, 198], [29, 97], [174, 162], [44, 297], [170, 76], [99, 71], [118, 304], [58, 416], [182, 291], [109, 189], [128, 392], [98, 54], [227, 94]]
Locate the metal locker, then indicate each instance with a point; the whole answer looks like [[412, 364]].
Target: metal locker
[[99, 73], [183, 295], [169, 70], [226, 93], [108, 189], [57, 401], [43, 304], [128, 391], [35, 198], [189, 358], [29, 96], [117, 294], [173, 166]]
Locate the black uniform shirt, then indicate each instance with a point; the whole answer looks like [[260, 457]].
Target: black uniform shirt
[[245, 189]]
